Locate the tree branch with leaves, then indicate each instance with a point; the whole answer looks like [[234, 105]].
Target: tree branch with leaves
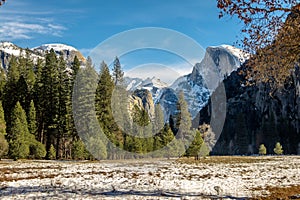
[[271, 34]]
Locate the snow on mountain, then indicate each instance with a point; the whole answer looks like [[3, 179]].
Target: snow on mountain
[[132, 83], [218, 62], [154, 85], [195, 92], [149, 83], [8, 49], [55, 47], [68, 52], [154, 82], [11, 49], [239, 53]]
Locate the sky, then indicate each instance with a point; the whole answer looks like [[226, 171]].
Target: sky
[[86, 24]]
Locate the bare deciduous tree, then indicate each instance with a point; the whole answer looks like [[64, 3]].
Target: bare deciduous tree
[[271, 33], [2, 2]]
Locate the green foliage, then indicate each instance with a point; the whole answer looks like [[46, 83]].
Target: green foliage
[[103, 98], [118, 74], [19, 134], [195, 146], [278, 149], [96, 146], [32, 126], [2, 82], [262, 150], [3, 142], [3, 146], [78, 150], [204, 150], [140, 116], [37, 150], [158, 119], [183, 119], [51, 152]]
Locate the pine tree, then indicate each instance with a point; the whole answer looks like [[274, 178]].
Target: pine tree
[[2, 82], [50, 99], [51, 152], [78, 150], [103, 97], [158, 119], [278, 149], [19, 134], [37, 96], [183, 120], [84, 112], [75, 67], [262, 150], [32, 126], [64, 108], [11, 89], [3, 142], [118, 74], [195, 146], [37, 150], [103, 103], [97, 147]]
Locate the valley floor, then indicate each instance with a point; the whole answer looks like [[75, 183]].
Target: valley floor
[[209, 178]]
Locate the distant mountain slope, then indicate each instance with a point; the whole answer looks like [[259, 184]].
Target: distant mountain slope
[[8, 49], [68, 52], [218, 63]]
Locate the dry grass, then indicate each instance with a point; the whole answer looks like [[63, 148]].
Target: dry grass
[[225, 160], [283, 193]]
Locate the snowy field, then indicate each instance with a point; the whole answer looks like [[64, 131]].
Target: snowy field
[[210, 178]]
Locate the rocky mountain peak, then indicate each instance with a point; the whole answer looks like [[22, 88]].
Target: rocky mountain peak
[[68, 52]]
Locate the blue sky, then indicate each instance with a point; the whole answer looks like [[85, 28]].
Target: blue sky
[[85, 24]]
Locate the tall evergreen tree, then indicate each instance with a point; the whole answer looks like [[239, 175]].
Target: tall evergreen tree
[[84, 111], [118, 74], [50, 99], [158, 119], [19, 134], [64, 108], [195, 146], [103, 103], [32, 126], [183, 119], [11, 89], [2, 82], [38, 99], [3, 142]]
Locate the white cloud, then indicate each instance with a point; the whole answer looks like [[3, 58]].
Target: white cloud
[[12, 30], [20, 21]]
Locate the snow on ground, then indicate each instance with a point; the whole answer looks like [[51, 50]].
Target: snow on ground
[[146, 179]]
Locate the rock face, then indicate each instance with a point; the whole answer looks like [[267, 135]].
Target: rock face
[[258, 115], [218, 62], [147, 101]]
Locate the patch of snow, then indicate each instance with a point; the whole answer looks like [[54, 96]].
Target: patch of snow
[[239, 53], [147, 179], [55, 47]]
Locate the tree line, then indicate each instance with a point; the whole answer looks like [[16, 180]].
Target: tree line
[[38, 119]]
